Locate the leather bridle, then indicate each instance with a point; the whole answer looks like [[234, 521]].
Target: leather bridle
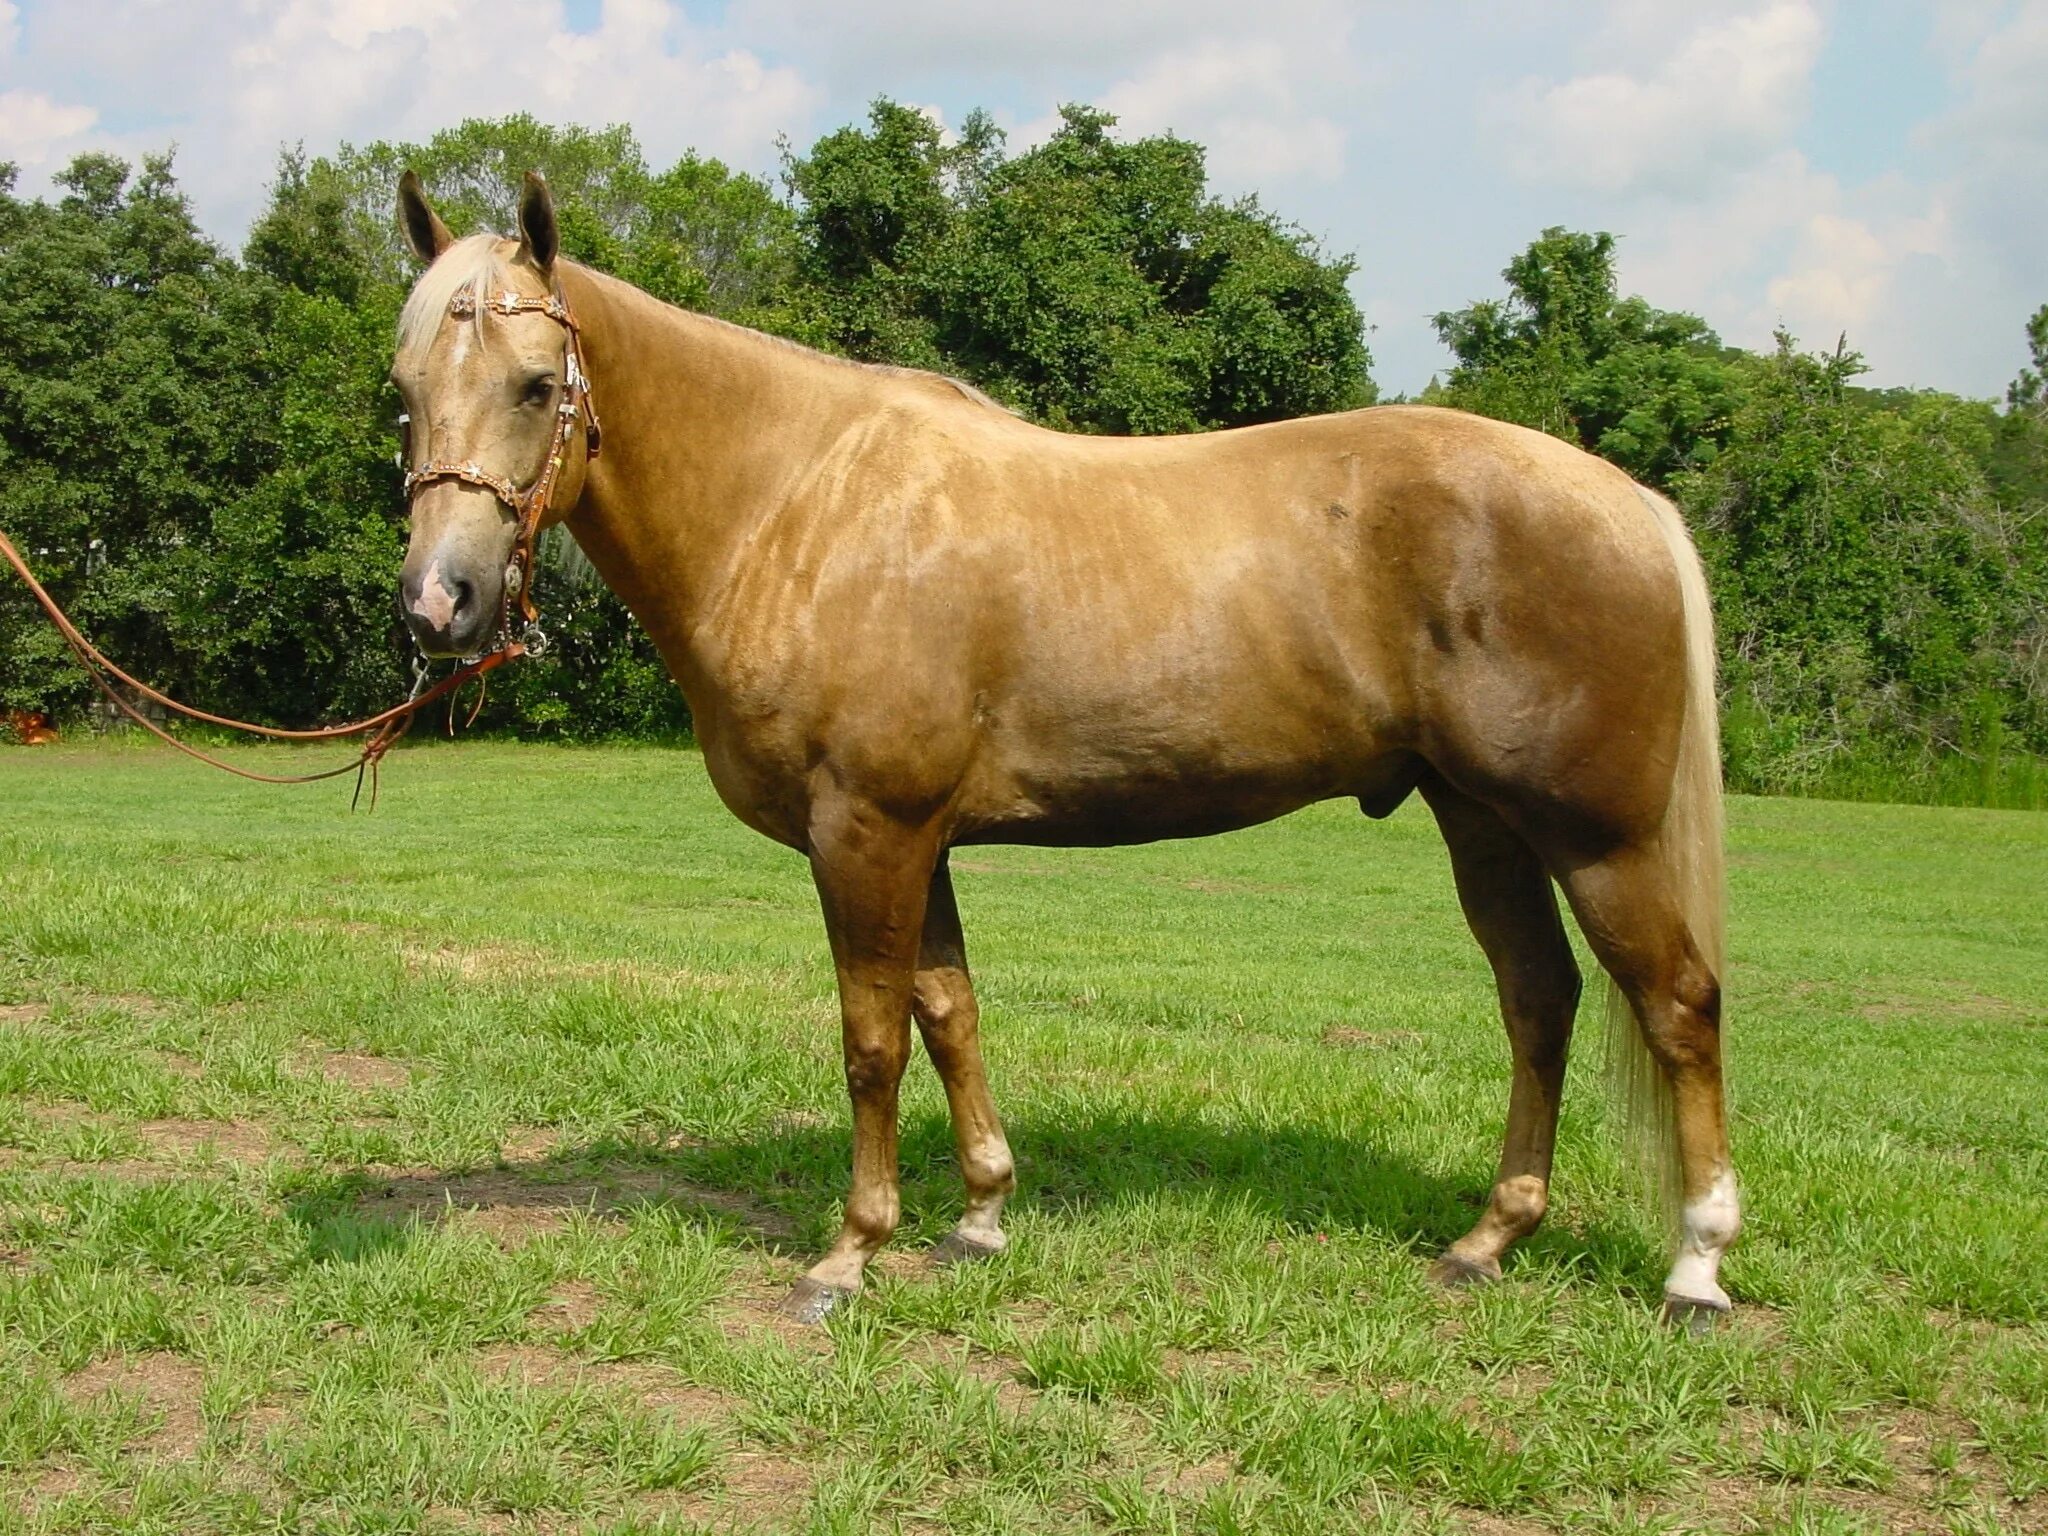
[[529, 506]]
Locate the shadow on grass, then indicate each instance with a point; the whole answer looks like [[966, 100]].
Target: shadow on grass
[[779, 1190]]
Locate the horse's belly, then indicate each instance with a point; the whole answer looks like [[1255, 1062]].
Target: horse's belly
[[1062, 792]]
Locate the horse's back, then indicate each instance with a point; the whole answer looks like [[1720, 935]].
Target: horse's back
[[1178, 634]]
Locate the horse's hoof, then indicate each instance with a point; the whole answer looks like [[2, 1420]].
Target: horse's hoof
[[1694, 1316], [811, 1301], [1454, 1272], [956, 1247]]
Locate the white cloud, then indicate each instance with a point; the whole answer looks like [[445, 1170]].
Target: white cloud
[[231, 83], [1728, 94], [1785, 244], [878, 42], [1842, 277], [1264, 90], [33, 127], [1241, 101], [1996, 138]]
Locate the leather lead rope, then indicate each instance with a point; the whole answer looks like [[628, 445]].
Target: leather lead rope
[[380, 731]]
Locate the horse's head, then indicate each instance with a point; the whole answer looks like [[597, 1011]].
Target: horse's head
[[497, 418]]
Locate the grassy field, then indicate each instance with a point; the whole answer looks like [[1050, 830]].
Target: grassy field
[[438, 1169]]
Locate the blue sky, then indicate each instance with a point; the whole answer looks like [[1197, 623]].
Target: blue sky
[[1877, 168]]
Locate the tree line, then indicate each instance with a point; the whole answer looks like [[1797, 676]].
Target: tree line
[[197, 446]]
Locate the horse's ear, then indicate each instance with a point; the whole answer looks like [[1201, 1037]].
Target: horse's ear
[[539, 238], [424, 231]]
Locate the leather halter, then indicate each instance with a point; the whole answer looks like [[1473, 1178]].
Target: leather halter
[[529, 506]]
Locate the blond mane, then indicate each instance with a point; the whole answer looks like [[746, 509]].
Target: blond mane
[[476, 263]]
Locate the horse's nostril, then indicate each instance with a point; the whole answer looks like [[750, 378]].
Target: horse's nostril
[[465, 597]]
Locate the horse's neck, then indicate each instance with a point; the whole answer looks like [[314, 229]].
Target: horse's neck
[[705, 425]]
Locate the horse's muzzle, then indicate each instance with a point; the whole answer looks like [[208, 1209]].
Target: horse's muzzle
[[447, 613]]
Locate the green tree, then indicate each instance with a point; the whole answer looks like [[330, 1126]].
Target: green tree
[[2029, 392], [696, 234], [1091, 282], [2019, 462], [133, 410], [304, 238], [1869, 585], [1564, 353]]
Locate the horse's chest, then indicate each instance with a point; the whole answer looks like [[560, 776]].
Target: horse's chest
[[760, 779]]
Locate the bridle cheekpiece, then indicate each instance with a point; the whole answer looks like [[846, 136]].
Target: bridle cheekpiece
[[529, 506]]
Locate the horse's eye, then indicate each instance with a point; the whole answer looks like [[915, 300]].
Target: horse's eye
[[540, 389]]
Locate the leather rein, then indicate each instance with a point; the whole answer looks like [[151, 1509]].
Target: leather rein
[[380, 731]]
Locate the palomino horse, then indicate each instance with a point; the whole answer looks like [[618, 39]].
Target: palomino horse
[[906, 619]]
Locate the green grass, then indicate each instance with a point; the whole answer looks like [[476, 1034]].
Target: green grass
[[1986, 778], [436, 1170]]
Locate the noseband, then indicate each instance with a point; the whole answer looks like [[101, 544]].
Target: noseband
[[529, 506]]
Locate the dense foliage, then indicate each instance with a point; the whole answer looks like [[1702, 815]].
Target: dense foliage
[[197, 448], [1090, 283]]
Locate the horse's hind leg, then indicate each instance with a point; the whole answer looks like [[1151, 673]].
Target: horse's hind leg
[[1508, 901], [1628, 907], [950, 1021]]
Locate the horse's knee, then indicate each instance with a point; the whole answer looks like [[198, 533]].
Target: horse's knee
[[874, 1066], [945, 1008], [990, 1168]]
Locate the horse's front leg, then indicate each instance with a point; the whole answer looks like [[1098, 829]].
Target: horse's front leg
[[873, 874]]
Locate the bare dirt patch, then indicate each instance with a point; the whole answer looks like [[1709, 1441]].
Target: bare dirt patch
[[176, 1063], [356, 1069], [982, 867], [238, 1141], [528, 1143], [1216, 887], [1486, 1523], [503, 962], [751, 1307], [520, 1202], [992, 1371], [1964, 1007], [174, 1139], [1345, 1036], [1193, 1482], [23, 1013], [512, 1226], [657, 1387], [46, 1485], [571, 1305], [169, 1387], [767, 1487], [141, 1004]]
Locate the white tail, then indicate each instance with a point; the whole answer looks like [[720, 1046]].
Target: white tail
[[1690, 846]]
